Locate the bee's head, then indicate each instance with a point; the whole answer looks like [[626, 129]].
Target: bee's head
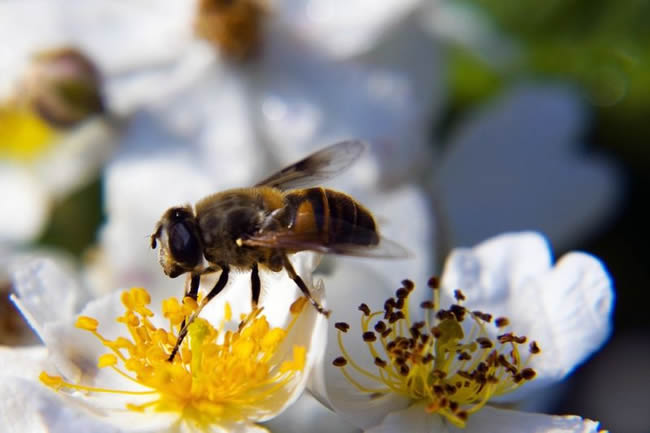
[[180, 243]]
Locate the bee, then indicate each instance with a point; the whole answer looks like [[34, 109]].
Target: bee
[[259, 227]]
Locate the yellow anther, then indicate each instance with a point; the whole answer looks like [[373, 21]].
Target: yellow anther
[[298, 305], [106, 360], [215, 373], [87, 323], [51, 381]]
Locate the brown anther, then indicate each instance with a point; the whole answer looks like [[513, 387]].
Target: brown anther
[[464, 356], [528, 373], [386, 333], [482, 367], [380, 326], [400, 303], [401, 293], [427, 359], [438, 390], [520, 340], [534, 348], [369, 337], [484, 342], [459, 295], [404, 370], [500, 322], [434, 283], [453, 406], [380, 362], [483, 316], [400, 360], [398, 315], [450, 389], [505, 338], [424, 338], [436, 332], [389, 304], [415, 332], [458, 311], [427, 305], [439, 373], [342, 326], [391, 345], [365, 309], [340, 362], [408, 285], [462, 415]]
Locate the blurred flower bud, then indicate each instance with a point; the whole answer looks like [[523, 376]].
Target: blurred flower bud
[[234, 27], [63, 87]]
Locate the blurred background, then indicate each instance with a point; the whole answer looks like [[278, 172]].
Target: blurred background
[[483, 115]]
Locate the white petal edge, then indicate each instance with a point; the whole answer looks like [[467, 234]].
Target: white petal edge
[[488, 420], [577, 298]]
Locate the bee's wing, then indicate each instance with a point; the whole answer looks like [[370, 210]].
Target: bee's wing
[[314, 241], [315, 168]]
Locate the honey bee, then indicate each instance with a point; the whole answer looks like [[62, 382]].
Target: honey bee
[[259, 227]]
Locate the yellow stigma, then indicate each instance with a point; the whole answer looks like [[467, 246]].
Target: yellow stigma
[[23, 135], [218, 375], [447, 360]]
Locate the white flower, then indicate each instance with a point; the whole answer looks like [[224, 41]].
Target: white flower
[[108, 378], [501, 323]]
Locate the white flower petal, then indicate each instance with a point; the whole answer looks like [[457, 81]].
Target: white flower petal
[[355, 283], [34, 408], [515, 165], [342, 31], [22, 362], [413, 419], [572, 318], [308, 101], [491, 419], [565, 308], [46, 289], [307, 414], [489, 273], [25, 205]]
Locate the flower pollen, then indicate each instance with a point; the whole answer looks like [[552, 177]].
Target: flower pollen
[[219, 374], [449, 360]]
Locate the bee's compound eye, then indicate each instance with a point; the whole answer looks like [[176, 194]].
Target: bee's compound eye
[[184, 245]]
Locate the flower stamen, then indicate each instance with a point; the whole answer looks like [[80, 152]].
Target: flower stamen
[[221, 374], [450, 359]]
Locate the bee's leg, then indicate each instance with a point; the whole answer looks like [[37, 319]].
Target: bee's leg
[[221, 283], [303, 287], [255, 286], [191, 289]]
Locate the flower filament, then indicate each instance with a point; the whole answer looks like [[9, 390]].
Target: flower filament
[[218, 375], [455, 370]]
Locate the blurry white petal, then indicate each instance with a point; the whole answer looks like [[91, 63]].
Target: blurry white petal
[[416, 420], [516, 165], [308, 101], [470, 27], [24, 207], [342, 30]]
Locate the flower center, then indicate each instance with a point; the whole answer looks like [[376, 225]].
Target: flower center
[[447, 360], [220, 374], [24, 136], [233, 26]]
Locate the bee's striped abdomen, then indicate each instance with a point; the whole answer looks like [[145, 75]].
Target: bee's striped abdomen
[[333, 217]]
